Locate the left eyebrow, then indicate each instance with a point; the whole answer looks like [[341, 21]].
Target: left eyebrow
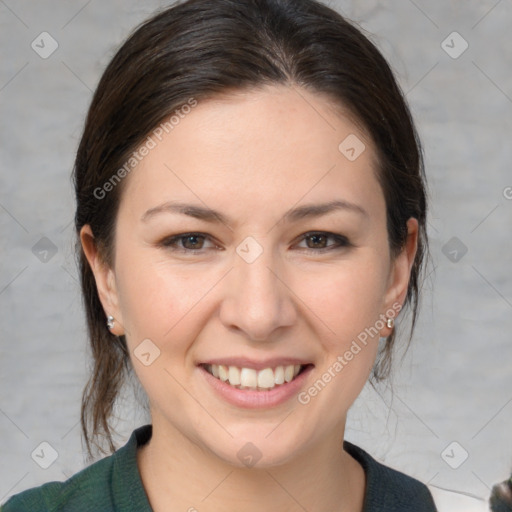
[[292, 215], [317, 210]]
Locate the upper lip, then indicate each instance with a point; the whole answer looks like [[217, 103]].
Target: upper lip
[[242, 362]]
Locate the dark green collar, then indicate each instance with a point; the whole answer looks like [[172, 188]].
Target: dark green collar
[[127, 489]]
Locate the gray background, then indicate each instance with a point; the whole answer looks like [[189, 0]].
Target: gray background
[[455, 382]]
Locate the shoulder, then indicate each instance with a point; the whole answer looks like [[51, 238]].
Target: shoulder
[[388, 489], [99, 486], [87, 487]]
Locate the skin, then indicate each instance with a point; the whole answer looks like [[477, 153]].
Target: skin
[[252, 156]]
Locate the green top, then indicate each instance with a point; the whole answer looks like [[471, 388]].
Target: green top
[[114, 484]]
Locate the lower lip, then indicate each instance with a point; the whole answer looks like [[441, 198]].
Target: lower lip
[[257, 399]]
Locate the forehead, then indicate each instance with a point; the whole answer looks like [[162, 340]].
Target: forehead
[[273, 145]]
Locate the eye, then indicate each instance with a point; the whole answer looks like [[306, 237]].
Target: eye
[[194, 242], [319, 241], [186, 242]]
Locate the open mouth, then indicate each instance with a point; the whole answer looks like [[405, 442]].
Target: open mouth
[[254, 380]]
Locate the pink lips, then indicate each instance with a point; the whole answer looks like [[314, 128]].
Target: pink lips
[[256, 399]]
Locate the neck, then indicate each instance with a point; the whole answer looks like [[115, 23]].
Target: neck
[[177, 474]]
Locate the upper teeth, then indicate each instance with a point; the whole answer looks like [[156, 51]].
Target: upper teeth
[[249, 378]]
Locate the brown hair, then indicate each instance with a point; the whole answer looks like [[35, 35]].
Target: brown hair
[[202, 48]]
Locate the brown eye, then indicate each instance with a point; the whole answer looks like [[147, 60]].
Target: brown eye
[[193, 241], [185, 242], [318, 242]]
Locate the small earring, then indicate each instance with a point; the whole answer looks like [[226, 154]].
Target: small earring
[[110, 321], [390, 322]]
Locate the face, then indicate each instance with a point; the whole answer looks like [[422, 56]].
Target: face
[[264, 284]]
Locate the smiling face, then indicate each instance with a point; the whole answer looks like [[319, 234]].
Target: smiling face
[[265, 281]]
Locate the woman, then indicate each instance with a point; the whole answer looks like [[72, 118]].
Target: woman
[[251, 219]]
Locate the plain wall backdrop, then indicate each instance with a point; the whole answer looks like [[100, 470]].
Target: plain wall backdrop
[[449, 420]]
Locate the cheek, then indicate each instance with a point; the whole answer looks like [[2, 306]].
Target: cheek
[[149, 299], [348, 309], [157, 304], [346, 300], [161, 302]]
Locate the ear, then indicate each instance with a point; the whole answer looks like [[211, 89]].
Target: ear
[[105, 280], [400, 272]]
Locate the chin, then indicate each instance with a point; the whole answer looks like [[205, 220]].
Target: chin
[[251, 449]]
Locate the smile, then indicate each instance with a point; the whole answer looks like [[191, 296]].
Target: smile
[[254, 380]]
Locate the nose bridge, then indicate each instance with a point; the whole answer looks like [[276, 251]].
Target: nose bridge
[[257, 300], [258, 279]]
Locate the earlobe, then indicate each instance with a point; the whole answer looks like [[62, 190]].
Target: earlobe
[[105, 279]]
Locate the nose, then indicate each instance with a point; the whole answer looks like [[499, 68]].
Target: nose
[[257, 301]]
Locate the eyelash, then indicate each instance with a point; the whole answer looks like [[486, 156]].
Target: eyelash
[[341, 242]]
